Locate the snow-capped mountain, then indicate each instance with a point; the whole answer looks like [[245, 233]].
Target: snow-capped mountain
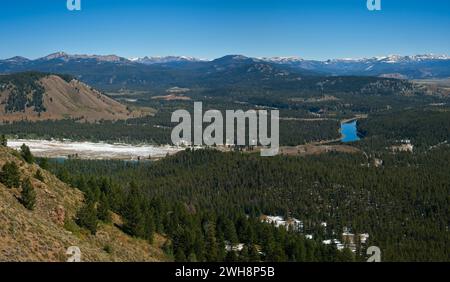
[[391, 59], [409, 67], [17, 59], [164, 60], [412, 67], [282, 60], [386, 59]]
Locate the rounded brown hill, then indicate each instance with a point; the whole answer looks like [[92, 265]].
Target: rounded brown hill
[[37, 96]]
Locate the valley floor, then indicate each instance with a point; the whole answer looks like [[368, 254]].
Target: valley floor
[[90, 150]]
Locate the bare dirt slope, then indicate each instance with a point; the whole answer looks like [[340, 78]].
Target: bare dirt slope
[[73, 99], [43, 234]]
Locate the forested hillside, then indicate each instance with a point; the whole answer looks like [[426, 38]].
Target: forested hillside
[[425, 128], [203, 198]]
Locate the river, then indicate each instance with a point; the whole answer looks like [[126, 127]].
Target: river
[[349, 131]]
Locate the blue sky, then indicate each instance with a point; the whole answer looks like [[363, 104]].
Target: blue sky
[[313, 29]]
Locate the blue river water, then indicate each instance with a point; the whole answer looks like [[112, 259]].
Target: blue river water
[[349, 132]]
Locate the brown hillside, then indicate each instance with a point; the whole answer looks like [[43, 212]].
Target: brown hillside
[[43, 234], [72, 99]]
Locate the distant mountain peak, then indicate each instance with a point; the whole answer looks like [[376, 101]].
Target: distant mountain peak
[[282, 60], [393, 58], [17, 59], [150, 60], [56, 55], [238, 57], [66, 57], [234, 59]]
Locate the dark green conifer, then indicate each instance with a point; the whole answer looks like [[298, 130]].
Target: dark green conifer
[[10, 175], [28, 195]]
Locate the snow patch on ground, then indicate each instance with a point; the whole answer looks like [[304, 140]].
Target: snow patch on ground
[[89, 150]]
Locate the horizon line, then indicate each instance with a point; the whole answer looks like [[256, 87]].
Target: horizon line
[[132, 58]]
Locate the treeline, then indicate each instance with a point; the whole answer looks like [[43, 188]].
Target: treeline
[[153, 130], [402, 205], [132, 131]]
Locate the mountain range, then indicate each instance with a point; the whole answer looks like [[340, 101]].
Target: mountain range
[[112, 72], [406, 67]]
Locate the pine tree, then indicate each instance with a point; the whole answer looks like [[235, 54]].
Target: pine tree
[[276, 254], [345, 255], [230, 232], [103, 209], [212, 251], [26, 154], [179, 255], [132, 214], [38, 175], [64, 175], [199, 245], [149, 226], [28, 195], [221, 250], [168, 248], [93, 190], [3, 141], [87, 217], [192, 257], [43, 163], [10, 175], [243, 255], [231, 256]]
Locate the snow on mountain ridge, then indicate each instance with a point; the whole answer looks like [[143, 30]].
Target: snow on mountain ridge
[[165, 59], [277, 59], [291, 59]]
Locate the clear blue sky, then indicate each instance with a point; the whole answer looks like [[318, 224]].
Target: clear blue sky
[[313, 29]]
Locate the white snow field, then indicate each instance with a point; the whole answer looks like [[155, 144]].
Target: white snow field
[[89, 150]]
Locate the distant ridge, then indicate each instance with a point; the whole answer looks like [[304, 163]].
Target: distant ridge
[[165, 59], [66, 57], [112, 72], [394, 58]]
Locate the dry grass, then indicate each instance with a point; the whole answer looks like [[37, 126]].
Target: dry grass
[[171, 97], [39, 235], [314, 149]]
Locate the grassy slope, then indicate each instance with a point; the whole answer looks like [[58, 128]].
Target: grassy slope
[[38, 236]]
